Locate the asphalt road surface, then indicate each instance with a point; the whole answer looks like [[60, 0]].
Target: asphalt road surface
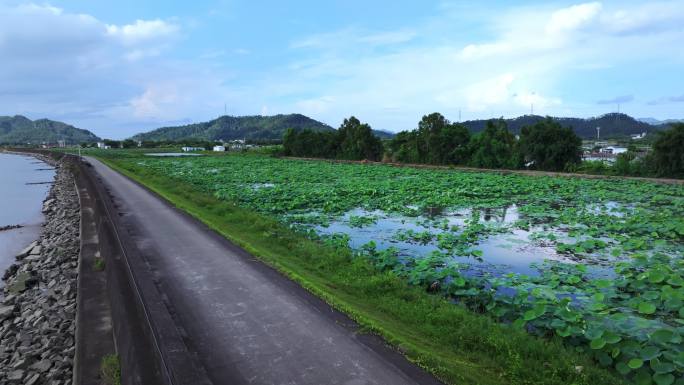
[[247, 323]]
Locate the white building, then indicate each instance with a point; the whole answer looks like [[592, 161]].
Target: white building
[[639, 136], [101, 145], [190, 149], [613, 150], [219, 148]]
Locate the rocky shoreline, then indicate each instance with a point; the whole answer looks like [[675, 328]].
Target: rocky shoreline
[[37, 315]]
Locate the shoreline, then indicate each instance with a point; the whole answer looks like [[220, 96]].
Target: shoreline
[[37, 315], [25, 220]]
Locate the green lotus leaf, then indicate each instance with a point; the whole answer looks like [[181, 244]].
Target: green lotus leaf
[[635, 363], [650, 352], [598, 343], [663, 379], [662, 336], [646, 308]]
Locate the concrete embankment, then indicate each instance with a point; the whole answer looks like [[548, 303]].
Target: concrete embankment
[[37, 315]]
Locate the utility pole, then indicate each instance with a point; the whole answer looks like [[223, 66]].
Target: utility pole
[[225, 109], [531, 108], [459, 115]]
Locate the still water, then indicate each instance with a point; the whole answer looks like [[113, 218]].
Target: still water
[[22, 191]]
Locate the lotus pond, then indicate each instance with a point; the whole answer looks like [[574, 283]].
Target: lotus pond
[[597, 262]]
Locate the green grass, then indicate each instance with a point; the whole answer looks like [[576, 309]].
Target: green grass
[[110, 370], [98, 264], [457, 345]]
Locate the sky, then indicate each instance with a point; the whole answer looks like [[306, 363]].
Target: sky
[[127, 66]]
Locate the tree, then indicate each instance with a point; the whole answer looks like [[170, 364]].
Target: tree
[[357, 141], [404, 147], [129, 143], [668, 152], [440, 141], [429, 131], [435, 141], [290, 142], [353, 140], [493, 147], [623, 163], [549, 146], [451, 146], [307, 143], [112, 143]]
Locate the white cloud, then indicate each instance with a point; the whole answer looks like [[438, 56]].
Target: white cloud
[[384, 38], [316, 106], [142, 31], [489, 92], [617, 99], [354, 37], [531, 52], [75, 67], [105, 76], [649, 17], [143, 38], [573, 18], [531, 98], [500, 90], [154, 101]]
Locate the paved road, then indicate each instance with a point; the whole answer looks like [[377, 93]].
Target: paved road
[[247, 323]]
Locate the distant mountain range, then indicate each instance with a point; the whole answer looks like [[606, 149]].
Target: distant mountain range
[[656, 122], [19, 129], [612, 125], [254, 127]]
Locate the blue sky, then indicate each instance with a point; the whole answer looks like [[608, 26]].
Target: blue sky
[[118, 68]]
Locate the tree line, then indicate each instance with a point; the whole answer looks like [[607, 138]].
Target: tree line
[[545, 145], [353, 141]]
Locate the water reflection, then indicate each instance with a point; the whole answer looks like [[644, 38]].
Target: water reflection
[[505, 248]]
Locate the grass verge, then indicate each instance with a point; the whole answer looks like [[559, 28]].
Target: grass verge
[[98, 264], [110, 370], [455, 344]]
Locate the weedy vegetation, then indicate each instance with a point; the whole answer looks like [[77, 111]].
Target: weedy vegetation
[[110, 370]]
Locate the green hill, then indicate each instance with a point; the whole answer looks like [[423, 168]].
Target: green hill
[[22, 130], [241, 127], [612, 125]]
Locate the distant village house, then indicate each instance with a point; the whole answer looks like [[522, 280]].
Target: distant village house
[[190, 149]]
